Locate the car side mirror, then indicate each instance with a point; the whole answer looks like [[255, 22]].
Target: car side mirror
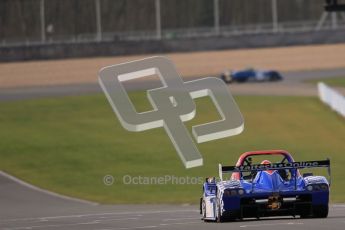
[[210, 180]]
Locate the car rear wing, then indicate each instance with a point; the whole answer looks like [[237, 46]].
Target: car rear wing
[[276, 166]]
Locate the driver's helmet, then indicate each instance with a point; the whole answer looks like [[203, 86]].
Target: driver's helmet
[[266, 162]]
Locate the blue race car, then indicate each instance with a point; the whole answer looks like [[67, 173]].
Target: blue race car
[[266, 189], [251, 75]]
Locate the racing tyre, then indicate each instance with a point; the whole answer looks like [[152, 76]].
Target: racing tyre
[[272, 78], [227, 80], [220, 218], [320, 211], [305, 215], [242, 80], [203, 210]]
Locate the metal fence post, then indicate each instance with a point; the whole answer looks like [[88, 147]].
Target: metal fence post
[[321, 21], [158, 19], [98, 20], [43, 22], [216, 16], [334, 20], [274, 16]]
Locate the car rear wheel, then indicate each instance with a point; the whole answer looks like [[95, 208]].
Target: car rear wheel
[[242, 80], [271, 78], [305, 215], [203, 209], [226, 79], [220, 218], [320, 211]]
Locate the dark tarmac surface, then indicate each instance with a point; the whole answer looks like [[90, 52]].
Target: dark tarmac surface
[[22, 207], [291, 85]]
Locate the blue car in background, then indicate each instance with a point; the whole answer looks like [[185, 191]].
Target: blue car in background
[[251, 75], [249, 189]]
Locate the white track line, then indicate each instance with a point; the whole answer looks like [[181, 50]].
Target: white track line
[[338, 205], [150, 226], [95, 214], [181, 223], [69, 225], [184, 218], [162, 225], [30, 186], [273, 224]]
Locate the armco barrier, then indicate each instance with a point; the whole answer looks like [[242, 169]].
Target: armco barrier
[[119, 47], [332, 98]]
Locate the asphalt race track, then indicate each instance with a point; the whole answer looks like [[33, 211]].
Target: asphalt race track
[[23, 207], [291, 85]]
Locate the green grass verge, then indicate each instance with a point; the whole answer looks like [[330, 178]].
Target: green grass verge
[[335, 81], [69, 144]]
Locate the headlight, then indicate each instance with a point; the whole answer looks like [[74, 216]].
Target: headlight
[[324, 187], [317, 187], [240, 191], [310, 188]]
